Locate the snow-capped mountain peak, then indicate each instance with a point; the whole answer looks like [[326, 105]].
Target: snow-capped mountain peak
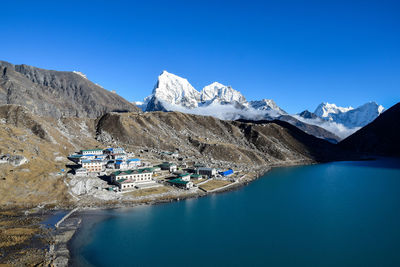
[[221, 93], [174, 93], [324, 109], [171, 89], [266, 104], [349, 117]]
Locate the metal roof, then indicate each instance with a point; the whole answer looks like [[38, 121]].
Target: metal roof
[[177, 181], [227, 172], [75, 156], [133, 160], [91, 161], [131, 172]]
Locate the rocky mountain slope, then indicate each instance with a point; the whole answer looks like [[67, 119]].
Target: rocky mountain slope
[[57, 94], [211, 139], [380, 137], [307, 115]]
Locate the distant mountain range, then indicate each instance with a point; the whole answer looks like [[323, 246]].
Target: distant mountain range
[[174, 93], [70, 94]]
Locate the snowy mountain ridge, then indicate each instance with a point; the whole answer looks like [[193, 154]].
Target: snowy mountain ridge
[[325, 109], [174, 93], [221, 93], [349, 116]]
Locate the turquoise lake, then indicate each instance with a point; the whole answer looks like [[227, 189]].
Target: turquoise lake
[[333, 214]]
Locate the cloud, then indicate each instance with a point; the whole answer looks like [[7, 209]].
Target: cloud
[[225, 111], [333, 127], [232, 112]]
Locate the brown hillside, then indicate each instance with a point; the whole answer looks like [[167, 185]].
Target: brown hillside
[[202, 136]]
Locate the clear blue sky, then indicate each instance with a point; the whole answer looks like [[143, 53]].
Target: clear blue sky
[[299, 53]]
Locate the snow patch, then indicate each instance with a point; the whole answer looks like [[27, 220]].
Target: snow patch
[[80, 74]]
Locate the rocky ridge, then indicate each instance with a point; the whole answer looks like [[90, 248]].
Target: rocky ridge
[[57, 94]]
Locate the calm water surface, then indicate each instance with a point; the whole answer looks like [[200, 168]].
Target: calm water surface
[[335, 214]]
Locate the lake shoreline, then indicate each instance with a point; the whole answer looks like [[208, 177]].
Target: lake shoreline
[[84, 210], [286, 198], [63, 246]]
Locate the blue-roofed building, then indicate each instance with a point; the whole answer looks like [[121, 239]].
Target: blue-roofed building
[[227, 172], [101, 157], [88, 156], [121, 164]]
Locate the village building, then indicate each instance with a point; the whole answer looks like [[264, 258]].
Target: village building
[[154, 169], [101, 157], [133, 163], [113, 150], [171, 167], [131, 178], [75, 158], [196, 176], [178, 182], [118, 150], [184, 176], [121, 164], [118, 156], [88, 156], [227, 172], [95, 151], [210, 172], [92, 165]]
